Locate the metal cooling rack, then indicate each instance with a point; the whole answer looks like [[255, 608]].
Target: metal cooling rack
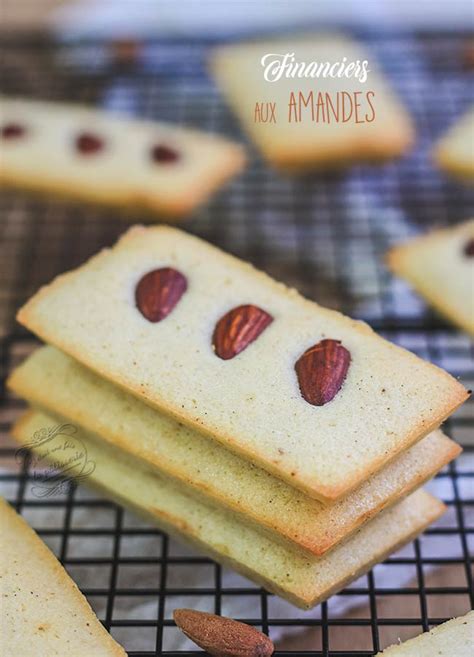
[[325, 235]]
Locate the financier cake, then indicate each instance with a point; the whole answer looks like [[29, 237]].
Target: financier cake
[[43, 611], [99, 156], [440, 266], [454, 152], [455, 638], [313, 101]]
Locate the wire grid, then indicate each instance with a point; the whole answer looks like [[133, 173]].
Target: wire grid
[[324, 234]]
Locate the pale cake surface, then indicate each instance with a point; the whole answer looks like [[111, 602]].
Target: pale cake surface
[[251, 403], [455, 638], [122, 173], [454, 152], [43, 612], [437, 267], [65, 389], [303, 580], [240, 75]]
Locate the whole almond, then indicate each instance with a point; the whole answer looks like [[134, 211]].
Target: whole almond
[[468, 54], [469, 248], [237, 329], [321, 371], [158, 292], [222, 637]]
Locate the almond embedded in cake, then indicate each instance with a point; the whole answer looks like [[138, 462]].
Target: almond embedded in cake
[[312, 396]]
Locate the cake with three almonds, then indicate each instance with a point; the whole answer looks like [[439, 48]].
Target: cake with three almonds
[[103, 157], [276, 435]]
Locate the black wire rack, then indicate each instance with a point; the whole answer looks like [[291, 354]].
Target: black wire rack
[[324, 234]]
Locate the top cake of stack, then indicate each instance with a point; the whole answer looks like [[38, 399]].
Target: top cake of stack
[[312, 396]]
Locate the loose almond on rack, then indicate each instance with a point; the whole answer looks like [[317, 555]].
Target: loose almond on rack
[[222, 637]]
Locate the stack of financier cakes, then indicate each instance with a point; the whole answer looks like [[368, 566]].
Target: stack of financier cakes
[[282, 438]]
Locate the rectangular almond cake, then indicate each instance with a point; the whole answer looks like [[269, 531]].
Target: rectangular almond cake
[[103, 157], [313, 101]]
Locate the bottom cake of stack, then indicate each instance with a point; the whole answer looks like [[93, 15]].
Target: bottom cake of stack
[[303, 579]]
